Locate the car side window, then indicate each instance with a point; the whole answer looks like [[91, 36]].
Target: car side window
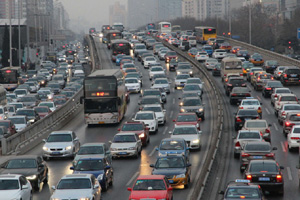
[[167, 182], [23, 180]]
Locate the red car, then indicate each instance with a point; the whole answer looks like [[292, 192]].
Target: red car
[[139, 128], [43, 111], [151, 187], [170, 55], [187, 119]]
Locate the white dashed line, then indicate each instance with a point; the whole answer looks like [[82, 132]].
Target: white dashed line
[[267, 110], [258, 98], [289, 173], [275, 126], [165, 130], [153, 151], [173, 101], [283, 147], [132, 178], [171, 114], [248, 87]]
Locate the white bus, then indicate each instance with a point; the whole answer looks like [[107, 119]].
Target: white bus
[[164, 27]]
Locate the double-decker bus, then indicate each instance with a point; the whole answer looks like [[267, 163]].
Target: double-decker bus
[[150, 26], [9, 77], [112, 35], [164, 27], [104, 97], [203, 33], [119, 47], [176, 28], [118, 26]]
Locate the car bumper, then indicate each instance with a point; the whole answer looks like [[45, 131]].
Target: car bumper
[[57, 154], [125, 153], [293, 144], [134, 90], [178, 181], [271, 187]]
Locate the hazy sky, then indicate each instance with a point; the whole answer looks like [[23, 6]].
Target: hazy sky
[[88, 13]]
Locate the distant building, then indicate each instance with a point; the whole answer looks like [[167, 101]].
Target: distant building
[[117, 13], [190, 8], [169, 9]]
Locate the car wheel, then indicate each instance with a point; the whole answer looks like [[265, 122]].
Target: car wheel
[[31, 196], [290, 148], [37, 185], [236, 155], [188, 183], [104, 189]]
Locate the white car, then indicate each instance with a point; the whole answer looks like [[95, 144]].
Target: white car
[[219, 53], [155, 70], [160, 113], [286, 108], [278, 71], [21, 92], [20, 122], [3, 113], [48, 92], [210, 63], [202, 56], [126, 144], [251, 103], [77, 186], [34, 87], [61, 144], [189, 133], [293, 137], [15, 186], [195, 81], [149, 118], [161, 54], [148, 61], [133, 85], [79, 72], [161, 83], [278, 91], [284, 99], [58, 78], [49, 104]]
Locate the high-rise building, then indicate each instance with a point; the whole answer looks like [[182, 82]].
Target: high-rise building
[[117, 13], [4, 9], [190, 8], [169, 9]]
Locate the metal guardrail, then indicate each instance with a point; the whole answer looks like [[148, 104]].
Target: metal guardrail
[[263, 52], [30, 137], [218, 126]]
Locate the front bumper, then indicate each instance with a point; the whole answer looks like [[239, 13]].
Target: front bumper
[[58, 154], [124, 153], [174, 182]]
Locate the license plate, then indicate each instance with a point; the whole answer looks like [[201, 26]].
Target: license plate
[[171, 181], [264, 178], [100, 122], [247, 118], [293, 75], [250, 107], [293, 79], [122, 153], [257, 157], [56, 152]]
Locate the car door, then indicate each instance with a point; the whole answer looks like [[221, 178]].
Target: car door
[[42, 169], [75, 142], [25, 192], [169, 192], [139, 142], [108, 172]]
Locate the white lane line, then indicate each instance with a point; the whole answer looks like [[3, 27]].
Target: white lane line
[[173, 101], [132, 178], [283, 147], [267, 110], [165, 130], [275, 126], [153, 151], [249, 87], [258, 98], [171, 114], [289, 173]]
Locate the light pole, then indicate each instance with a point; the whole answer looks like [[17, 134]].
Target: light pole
[[250, 26], [229, 16], [10, 36], [19, 32]]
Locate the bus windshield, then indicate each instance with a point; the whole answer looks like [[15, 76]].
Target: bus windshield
[[102, 105], [8, 76]]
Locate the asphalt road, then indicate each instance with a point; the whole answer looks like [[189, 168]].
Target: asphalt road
[[126, 170]]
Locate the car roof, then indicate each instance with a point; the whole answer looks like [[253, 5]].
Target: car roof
[[126, 133], [70, 176], [10, 176], [145, 177], [262, 161], [61, 132], [24, 157], [172, 139]]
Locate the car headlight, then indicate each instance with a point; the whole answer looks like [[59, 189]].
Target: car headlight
[[49, 97], [31, 120], [191, 72], [42, 82], [100, 177], [45, 148], [142, 135], [200, 109], [182, 110], [31, 177], [131, 148], [178, 72], [68, 147], [180, 176], [196, 141]]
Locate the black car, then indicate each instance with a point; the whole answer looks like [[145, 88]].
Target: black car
[[255, 150], [242, 115], [242, 189], [266, 173], [31, 114], [243, 53], [234, 82], [31, 166], [216, 71], [290, 75], [238, 94], [270, 66], [268, 88]]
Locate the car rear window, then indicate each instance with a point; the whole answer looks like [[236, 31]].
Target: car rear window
[[296, 130], [263, 167], [247, 112], [295, 118], [288, 98], [255, 124], [293, 71], [252, 135], [258, 147]]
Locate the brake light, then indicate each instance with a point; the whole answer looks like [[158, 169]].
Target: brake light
[[245, 155], [249, 177], [237, 144], [270, 155], [229, 85], [267, 130], [289, 124], [233, 95], [241, 74], [275, 95], [283, 113], [251, 73], [241, 107], [248, 95], [238, 119], [279, 178], [258, 78], [279, 72], [242, 197], [259, 108], [285, 76], [295, 138], [268, 88]]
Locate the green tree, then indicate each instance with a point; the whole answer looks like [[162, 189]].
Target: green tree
[[5, 47]]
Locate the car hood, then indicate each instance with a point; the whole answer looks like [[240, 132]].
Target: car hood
[[78, 157], [95, 173], [71, 193], [192, 107], [186, 137], [151, 194], [20, 126], [169, 171], [186, 123], [160, 85], [9, 194], [132, 84], [58, 144], [123, 145], [25, 172]]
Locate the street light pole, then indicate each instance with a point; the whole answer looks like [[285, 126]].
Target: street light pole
[[250, 23], [19, 32], [10, 32]]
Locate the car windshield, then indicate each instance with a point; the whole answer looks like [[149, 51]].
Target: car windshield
[[154, 109], [149, 184], [18, 120], [60, 101], [258, 147], [291, 107], [9, 184], [236, 81], [274, 84], [151, 92], [191, 87], [4, 123], [250, 103], [79, 183], [86, 150], [59, 138], [246, 135], [161, 81], [184, 67], [192, 102], [293, 71], [131, 80], [295, 117], [183, 76], [283, 91], [21, 163], [41, 110], [132, 75], [28, 99], [263, 167], [172, 162], [246, 193], [198, 81], [124, 138], [172, 145], [156, 69], [150, 59], [20, 92], [240, 90], [247, 112], [296, 130], [150, 101], [186, 118], [185, 131], [288, 98], [132, 127], [48, 104], [54, 86], [89, 165], [144, 116], [25, 112]]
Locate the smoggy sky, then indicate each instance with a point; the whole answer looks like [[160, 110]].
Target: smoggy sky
[[88, 13]]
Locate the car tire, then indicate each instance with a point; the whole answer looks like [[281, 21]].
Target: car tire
[[137, 155], [289, 148], [188, 183], [31, 196], [37, 185], [105, 188], [236, 155]]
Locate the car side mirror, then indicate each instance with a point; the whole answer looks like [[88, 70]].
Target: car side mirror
[[41, 165], [152, 165], [129, 189], [72, 168], [170, 188], [274, 148], [281, 167], [44, 140], [174, 120], [261, 103], [221, 192], [96, 186], [119, 129], [107, 167], [200, 132], [156, 149], [53, 187], [110, 142], [189, 164], [24, 187]]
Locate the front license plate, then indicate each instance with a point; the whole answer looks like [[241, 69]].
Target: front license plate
[[264, 178], [257, 157], [55, 153], [122, 153], [171, 181], [100, 122]]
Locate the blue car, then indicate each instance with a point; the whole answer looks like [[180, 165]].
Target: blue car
[[119, 58], [173, 146], [98, 166], [209, 50]]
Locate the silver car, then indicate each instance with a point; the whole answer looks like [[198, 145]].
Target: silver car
[[162, 83], [181, 80], [184, 69], [193, 104], [210, 63]]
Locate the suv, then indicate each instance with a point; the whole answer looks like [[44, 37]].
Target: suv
[[260, 80], [234, 82], [137, 127], [290, 75]]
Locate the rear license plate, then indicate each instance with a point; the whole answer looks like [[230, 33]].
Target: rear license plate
[[122, 153], [171, 181], [247, 119], [257, 157], [55, 153], [250, 108], [100, 122], [264, 178], [293, 75], [293, 79]]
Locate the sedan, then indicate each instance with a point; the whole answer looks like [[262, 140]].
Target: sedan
[[181, 80], [268, 88], [187, 119], [9, 125], [126, 145], [242, 115], [42, 111], [237, 94], [49, 104], [184, 69], [293, 138], [192, 87], [193, 104], [160, 113], [189, 133], [155, 70], [20, 122], [133, 85], [210, 63], [31, 114], [148, 61], [162, 83], [259, 125], [77, 186], [149, 118]]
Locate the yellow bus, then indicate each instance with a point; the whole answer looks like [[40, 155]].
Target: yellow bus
[[203, 33]]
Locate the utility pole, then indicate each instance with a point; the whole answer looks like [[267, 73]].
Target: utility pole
[[19, 32], [10, 32]]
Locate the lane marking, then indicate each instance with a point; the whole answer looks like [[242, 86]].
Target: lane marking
[[258, 98], [132, 178], [289, 173], [153, 151], [173, 101], [283, 147], [171, 114], [249, 87], [275, 126], [165, 130], [267, 110]]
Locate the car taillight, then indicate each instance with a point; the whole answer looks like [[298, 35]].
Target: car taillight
[[241, 107], [244, 155], [251, 73], [275, 95], [249, 177], [285, 76], [279, 72], [248, 95], [229, 85], [289, 124], [238, 119], [270, 155], [295, 138], [241, 74], [279, 178], [237, 144], [283, 113], [267, 130], [259, 108], [233, 95], [268, 88]]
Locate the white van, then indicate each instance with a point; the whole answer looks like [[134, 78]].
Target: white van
[[192, 40], [231, 65]]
